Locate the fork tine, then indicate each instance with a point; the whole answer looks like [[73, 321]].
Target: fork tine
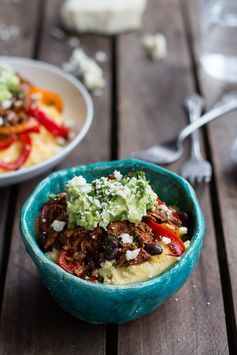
[[200, 179], [207, 179]]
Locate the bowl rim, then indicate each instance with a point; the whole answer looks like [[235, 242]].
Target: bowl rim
[[79, 136], [198, 236]]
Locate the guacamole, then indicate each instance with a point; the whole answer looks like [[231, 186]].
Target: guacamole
[[8, 82], [109, 199]]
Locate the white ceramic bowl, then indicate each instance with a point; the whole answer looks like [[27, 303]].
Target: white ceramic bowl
[[78, 107]]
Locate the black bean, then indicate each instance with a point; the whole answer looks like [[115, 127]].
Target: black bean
[[153, 249], [184, 217], [101, 255], [91, 263], [111, 253], [114, 243]]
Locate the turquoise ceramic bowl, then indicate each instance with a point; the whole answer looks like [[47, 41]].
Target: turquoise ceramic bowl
[[97, 303]]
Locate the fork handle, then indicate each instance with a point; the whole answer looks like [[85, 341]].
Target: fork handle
[[194, 105], [221, 109]]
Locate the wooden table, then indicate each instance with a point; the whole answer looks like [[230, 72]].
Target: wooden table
[[141, 105]]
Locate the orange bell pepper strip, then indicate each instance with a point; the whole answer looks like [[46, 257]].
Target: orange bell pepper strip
[[19, 128], [48, 98]]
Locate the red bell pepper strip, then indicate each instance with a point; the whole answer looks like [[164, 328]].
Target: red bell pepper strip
[[54, 128], [34, 129], [92, 279], [6, 143], [159, 202], [26, 149], [176, 246]]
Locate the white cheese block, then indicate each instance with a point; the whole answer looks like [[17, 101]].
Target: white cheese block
[[102, 16]]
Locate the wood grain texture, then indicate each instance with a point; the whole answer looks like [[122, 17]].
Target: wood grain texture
[[222, 134], [13, 20], [31, 321], [4, 205], [150, 98]]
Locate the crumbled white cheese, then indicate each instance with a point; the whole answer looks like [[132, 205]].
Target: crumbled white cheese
[[98, 92], [187, 244], [103, 16], [58, 225], [132, 254], [165, 209], [117, 174], [183, 230], [61, 141], [166, 240], [77, 180], [85, 67], [53, 255], [169, 226], [101, 57], [156, 46], [126, 238], [6, 104], [74, 42], [57, 33], [37, 96], [8, 32], [1, 121]]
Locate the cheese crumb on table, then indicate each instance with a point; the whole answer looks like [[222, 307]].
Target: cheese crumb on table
[[156, 46], [101, 57], [81, 65]]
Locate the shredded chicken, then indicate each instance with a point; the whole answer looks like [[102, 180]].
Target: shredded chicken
[[91, 248]]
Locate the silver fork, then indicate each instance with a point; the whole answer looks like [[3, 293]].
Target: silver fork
[[169, 152], [196, 168]]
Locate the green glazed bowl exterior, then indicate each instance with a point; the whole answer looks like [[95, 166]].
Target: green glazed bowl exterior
[[98, 303]]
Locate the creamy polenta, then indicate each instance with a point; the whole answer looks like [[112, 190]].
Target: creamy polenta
[[137, 273]]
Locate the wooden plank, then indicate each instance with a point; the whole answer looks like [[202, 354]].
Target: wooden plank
[[150, 100], [222, 131], [47, 329], [16, 38], [17, 30], [4, 207]]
